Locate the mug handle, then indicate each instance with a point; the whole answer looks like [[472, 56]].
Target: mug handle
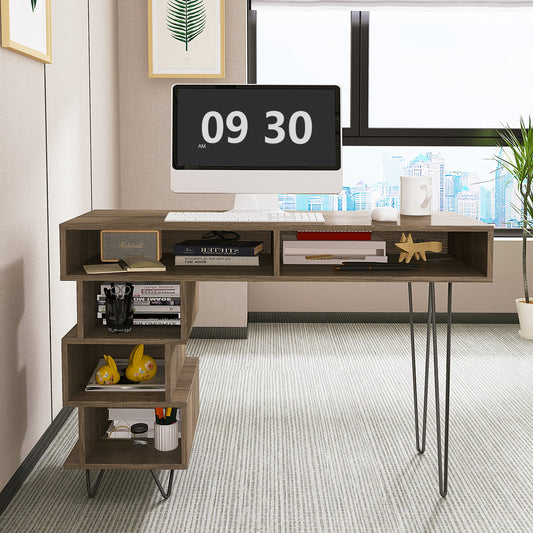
[[427, 199]]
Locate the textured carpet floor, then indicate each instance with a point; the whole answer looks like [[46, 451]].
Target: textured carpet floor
[[309, 427]]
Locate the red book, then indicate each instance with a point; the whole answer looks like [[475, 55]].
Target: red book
[[333, 235]]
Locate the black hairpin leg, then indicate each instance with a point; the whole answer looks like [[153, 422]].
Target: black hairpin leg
[[91, 492], [160, 487], [420, 441], [432, 332]]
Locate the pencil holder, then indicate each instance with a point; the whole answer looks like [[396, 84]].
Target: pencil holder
[[166, 437]]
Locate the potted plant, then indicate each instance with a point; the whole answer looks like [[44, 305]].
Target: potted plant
[[517, 159]]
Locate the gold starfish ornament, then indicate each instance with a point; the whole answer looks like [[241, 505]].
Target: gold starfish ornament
[[417, 249]]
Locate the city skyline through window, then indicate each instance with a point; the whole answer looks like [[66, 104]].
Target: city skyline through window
[[465, 180]]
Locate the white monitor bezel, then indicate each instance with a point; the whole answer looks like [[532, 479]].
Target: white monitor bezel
[[251, 181]]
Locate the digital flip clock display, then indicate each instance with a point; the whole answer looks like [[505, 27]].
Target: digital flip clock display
[[257, 126]]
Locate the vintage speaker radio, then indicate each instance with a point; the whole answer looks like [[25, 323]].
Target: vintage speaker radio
[[118, 244]]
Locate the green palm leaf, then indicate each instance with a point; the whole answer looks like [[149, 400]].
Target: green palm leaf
[[33, 4], [186, 19]]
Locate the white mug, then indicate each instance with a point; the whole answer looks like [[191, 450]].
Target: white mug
[[415, 195]]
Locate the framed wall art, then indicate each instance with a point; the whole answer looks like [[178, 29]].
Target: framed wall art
[[186, 38], [27, 28]]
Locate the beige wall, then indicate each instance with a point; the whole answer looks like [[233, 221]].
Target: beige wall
[[69, 165], [24, 317], [46, 176], [145, 139]]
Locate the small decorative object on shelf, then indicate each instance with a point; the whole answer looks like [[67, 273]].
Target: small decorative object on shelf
[[141, 366], [107, 374], [119, 308], [416, 249], [139, 433]]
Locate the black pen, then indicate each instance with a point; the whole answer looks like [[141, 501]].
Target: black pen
[[383, 267], [407, 266]]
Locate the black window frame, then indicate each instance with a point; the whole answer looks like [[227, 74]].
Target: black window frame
[[359, 133]]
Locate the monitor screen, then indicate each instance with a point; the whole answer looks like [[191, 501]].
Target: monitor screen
[[233, 138]]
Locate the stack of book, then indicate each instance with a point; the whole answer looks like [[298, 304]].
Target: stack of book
[[217, 252], [121, 420], [155, 304], [332, 248]]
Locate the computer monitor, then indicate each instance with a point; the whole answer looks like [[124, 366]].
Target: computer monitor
[[256, 139]]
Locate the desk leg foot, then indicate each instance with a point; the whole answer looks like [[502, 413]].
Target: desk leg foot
[[164, 493], [91, 491], [442, 445]]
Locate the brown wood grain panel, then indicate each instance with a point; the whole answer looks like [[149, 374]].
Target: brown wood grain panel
[[92, 424], [359, 220], [174, 359], [276, 252], [115, 454], [189, 307], [189, 414]]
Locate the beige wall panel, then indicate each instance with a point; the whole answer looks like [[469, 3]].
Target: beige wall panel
[[69, 165], [104, 104], [145, 137], [24, 324], [145, 111], [222, 305], [496, 297]]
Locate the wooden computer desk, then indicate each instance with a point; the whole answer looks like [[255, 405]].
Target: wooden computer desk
[[468, 253]]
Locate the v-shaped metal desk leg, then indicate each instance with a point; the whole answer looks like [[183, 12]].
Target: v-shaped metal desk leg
[[91, 492], [160, 487], [442, 448]]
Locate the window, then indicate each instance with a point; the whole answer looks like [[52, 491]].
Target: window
[[423, 92], [448, 68]]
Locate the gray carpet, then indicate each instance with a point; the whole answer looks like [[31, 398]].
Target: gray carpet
[[308, 427]]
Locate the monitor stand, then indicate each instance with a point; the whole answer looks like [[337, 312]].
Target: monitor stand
[[256, 202]]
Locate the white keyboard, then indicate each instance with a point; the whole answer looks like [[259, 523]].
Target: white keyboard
[[244, 216]]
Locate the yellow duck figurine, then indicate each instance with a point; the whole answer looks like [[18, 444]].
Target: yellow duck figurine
[[107, 374], [141, 366]]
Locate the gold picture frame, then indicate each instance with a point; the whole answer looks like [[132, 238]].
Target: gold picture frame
[[186, 49], [27, 28]]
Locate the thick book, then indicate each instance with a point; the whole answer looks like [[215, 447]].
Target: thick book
[[150, 290], [332, 260], [157, 383], [152, 322], [149, 302], [291, 246], [331, 252], [327, 235], [217, 247], [217, 260], [146, 316], [148, 309]]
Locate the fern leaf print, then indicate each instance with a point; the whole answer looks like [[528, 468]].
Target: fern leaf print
[[33, 4], [186, 19]]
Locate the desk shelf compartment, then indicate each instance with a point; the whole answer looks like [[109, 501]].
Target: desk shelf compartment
[[80, 360], [466, 256], [91, 328], [82, 246], [95, 451]]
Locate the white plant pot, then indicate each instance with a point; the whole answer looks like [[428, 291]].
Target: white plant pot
[[525, 316]]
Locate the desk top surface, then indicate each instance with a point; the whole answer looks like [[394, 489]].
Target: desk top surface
[[353, 220]]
